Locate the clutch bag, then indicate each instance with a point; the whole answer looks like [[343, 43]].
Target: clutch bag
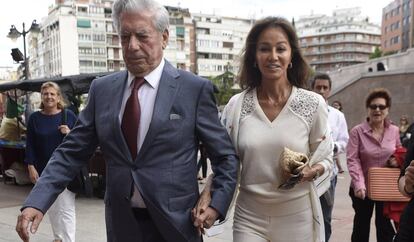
[[383, 185]]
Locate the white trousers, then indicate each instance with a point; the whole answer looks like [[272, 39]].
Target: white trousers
[[252, 227], [62, 217]]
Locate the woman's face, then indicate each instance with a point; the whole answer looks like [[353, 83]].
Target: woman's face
[[50, 98], [273, 54], [336, 105], [378, 110], [403, 121]]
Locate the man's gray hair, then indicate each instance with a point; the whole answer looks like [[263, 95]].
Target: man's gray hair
[[161, 16]]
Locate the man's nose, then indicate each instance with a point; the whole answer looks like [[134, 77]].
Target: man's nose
[[134, 43]]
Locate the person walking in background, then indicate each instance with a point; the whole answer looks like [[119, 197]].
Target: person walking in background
[[202, 163], [406, 187], [321, 84], [371, 144], [403, 126], [148, 122], [272, 113], [45, 131], [337, 104]]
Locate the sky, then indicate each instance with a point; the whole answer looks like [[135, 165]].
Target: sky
[[18, 11]]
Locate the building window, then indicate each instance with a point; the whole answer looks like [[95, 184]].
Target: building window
[[84, 23], [180, 31], [82, 9], [228, 44]]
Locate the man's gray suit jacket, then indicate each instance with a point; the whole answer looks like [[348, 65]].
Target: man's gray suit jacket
[[165, 169]]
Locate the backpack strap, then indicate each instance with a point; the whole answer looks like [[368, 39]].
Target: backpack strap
[[64, 116]]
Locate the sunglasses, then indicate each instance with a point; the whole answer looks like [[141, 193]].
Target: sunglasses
[[375, 106]]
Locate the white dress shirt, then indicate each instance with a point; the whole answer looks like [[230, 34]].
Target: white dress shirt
[[146, 95], [339, 131]]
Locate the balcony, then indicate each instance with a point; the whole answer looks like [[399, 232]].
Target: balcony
[[336, 51], [337, 41]]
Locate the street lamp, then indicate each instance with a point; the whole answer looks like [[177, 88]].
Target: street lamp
[[14, 34]]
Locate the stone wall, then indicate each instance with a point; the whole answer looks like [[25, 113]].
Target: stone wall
[[399, 83]]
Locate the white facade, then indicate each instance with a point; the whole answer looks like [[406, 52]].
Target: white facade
[[331, 42], [78, 37], [219, 42]]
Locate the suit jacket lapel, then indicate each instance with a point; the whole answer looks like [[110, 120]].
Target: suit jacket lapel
[[118, 87], [167, 91]]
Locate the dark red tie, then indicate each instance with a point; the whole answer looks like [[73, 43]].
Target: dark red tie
[[131, 118]]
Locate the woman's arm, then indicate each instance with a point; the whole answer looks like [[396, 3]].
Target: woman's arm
[[354, 162]]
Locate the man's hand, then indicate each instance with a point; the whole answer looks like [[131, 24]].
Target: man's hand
[[409, 178], [360, 194], [33, 174], [30, 217], [206, 219], [202, 204]]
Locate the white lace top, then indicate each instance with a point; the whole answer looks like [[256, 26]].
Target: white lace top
[[299, 126]]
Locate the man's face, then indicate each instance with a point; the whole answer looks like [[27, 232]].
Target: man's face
[[142, 44], [322, 87]]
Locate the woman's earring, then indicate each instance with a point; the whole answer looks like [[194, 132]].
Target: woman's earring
[[290, 65]]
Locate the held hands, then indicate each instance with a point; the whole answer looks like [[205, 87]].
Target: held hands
[[202, 214], [64, 129], [34, 176], [30, 218]]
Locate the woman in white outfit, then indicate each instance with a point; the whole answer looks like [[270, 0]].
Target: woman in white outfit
[[273, 112]]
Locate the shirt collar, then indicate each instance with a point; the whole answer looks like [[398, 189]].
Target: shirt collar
[[153, 78], [367, 128]]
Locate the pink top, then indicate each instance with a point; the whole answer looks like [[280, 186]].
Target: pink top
[[364, 151]]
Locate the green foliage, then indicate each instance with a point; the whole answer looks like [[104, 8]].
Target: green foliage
[[376, 54], [224, 84]]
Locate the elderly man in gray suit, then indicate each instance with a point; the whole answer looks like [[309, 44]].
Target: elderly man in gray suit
[[148, 122]]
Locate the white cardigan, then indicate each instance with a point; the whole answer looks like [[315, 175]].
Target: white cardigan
[[239, 107]]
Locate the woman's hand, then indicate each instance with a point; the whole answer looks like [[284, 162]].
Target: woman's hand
[[310, 173], [64, 129], [361, 194], [392, 162], [33, 174]]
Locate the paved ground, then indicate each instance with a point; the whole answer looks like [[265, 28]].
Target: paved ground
[[90, 217]]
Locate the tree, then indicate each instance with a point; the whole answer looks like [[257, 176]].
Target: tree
[[376, 54], [224, 84]]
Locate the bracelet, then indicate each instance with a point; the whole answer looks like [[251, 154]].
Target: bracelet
[[408, 193]]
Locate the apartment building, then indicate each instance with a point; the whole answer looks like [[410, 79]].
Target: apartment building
[[78, 37], [218, 43], [331, 42], [397, 30]]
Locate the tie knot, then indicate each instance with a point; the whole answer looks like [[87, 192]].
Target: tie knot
[[137, 83]]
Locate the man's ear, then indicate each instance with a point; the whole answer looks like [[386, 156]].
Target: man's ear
[[165, 37]]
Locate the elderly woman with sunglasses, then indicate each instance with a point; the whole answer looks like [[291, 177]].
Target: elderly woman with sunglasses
[[371, 144]]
